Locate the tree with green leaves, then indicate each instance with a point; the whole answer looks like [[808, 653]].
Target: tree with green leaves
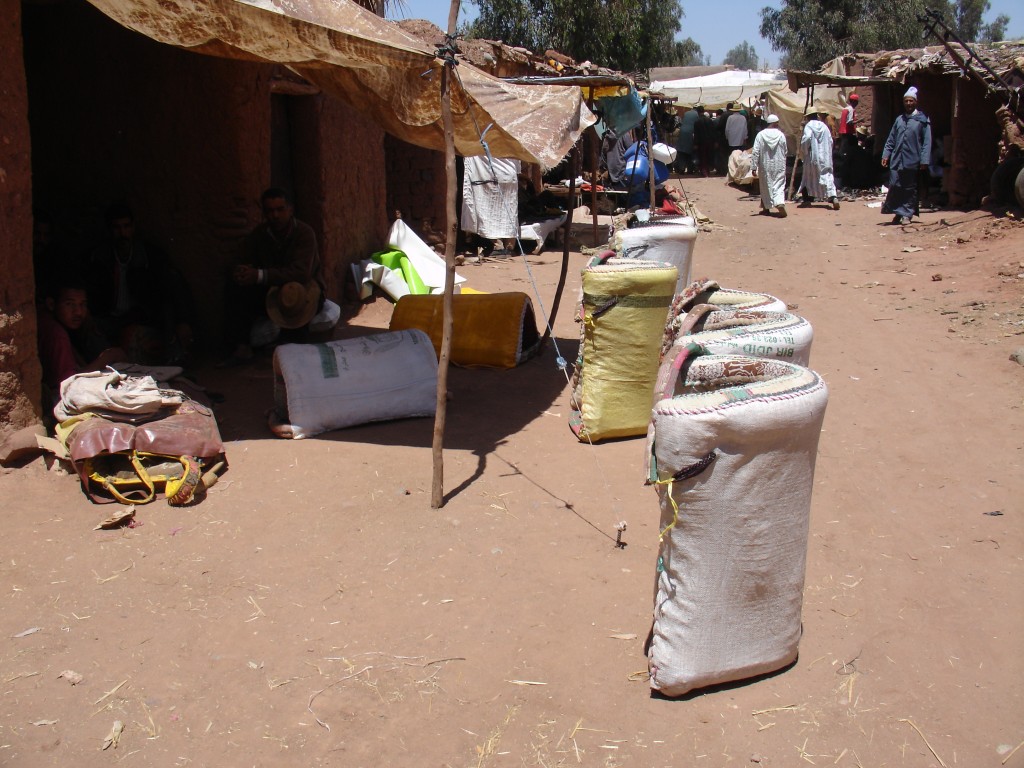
[[811, 32], [687, 53], [628, 35], [743, 56]]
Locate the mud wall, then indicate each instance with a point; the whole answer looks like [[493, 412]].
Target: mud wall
[[416, 184], [185, 139], [975, 145], [345, 192], [19, 364]]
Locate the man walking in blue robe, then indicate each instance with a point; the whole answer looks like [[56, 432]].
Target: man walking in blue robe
[[907, 150]]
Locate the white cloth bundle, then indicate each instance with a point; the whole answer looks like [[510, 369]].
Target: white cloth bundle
[[732, 445], [320, 387], [114, 395]]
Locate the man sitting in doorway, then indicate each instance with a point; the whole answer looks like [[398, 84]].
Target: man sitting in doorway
[[279, 267]]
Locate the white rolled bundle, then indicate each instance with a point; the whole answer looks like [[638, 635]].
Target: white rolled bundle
[[670, 243], [731, 445], [320, 387]]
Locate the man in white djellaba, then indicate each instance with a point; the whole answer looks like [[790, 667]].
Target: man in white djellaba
[[817, 181], [768, 162]]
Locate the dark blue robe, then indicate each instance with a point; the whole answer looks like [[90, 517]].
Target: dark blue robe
[[908, 147]]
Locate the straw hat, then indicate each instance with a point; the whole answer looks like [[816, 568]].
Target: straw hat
[[293, 305]]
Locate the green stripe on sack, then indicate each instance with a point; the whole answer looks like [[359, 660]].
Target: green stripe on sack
[[328, 361], [631, 301]]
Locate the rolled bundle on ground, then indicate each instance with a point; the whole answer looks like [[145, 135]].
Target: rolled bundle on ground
[[732, 446], [775, 335], [670, 243], [658, 219], [623, 314], [489, 330], [320, 387]]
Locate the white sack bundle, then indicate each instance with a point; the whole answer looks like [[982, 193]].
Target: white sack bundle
[[732, 445], [320, 387]]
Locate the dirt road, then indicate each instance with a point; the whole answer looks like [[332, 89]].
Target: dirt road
[[315, 611]]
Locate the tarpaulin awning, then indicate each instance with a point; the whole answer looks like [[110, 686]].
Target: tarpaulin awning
[[799, 79], [374, 66], [719, 89]]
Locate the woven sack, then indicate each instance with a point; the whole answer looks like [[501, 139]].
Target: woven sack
[[489, 330], [320, 387], [731, 447], [780, 335], [668, 243], [623, 313]]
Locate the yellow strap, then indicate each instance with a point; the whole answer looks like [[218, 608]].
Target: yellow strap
[[675, 509], [147, 481]]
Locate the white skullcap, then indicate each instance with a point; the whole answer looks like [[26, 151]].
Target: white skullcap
[[771, 119], [911, 93]]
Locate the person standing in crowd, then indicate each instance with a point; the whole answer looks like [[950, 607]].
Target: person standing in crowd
[[817, 183], [736, 131], [684, 144], [847, 139], [768, 163], [613, 156], [907, 150], [704, 141], [721, 151]]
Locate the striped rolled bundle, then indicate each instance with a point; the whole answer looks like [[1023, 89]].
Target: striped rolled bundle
[[706, 291], [775, 335], [731, 448], [623, 313]]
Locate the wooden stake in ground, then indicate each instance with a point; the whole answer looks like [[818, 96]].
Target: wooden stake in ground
[[796, 160], [650, 151], [437, 487]]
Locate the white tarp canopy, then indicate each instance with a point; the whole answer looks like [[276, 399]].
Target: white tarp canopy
[[715, 91]]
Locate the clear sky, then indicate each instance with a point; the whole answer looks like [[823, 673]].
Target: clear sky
[[716, 26]]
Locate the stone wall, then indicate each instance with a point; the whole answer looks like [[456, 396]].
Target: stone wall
[[19, 364]]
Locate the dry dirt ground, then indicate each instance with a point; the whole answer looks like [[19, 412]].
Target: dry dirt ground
[[314, 610]]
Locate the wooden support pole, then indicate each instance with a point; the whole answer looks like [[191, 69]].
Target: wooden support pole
[[796, 160], [574, 165], [650, 151], [451, 230], [594, 163]]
